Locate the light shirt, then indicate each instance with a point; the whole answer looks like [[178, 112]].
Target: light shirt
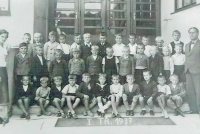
[[116, 89], [173, 86], [40, 58], [147, 50], [23, 55], [74, 46], [168, 64], [133, 48], [130, 87], [164, 89], [116, 60], [69, 89], [94, 57], [3, 54], [117, 48], [88, 44], [179, 59], [59, 88], [25, 88], [64, 47]]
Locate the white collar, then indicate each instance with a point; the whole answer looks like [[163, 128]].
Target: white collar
[[109, 57]]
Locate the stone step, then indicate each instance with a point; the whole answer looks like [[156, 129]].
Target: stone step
[[121, 109]]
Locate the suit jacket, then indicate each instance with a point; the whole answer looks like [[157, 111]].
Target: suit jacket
[[135, 90], [102, 48], [19, 92], [85, 51], [156, 64], [94, 66], [126, 66], [192, 61]]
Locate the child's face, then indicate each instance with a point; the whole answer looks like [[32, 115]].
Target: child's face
[[3, 38], [174, 80], [178, 50], [159, 43], [26, 39], [62, 40], [72, 82], [37, 38], [102, 39], [125, 52], [94, 51], [76, 55], [153, 51], [102, 80], [166, 52], [58, 83], [115, 80], [176, 36], [109, 52], [161, 81], [118, 39], [23, 50], [77, 39], [130, 80], [140, 49], [58, 55], [39, 51], [52, 38], [43, 84], [86, 79], [145, 41], [132, 39], [87, 38], [147, 76], [25, 81]]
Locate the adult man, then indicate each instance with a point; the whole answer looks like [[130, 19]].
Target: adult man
[[192, 70]]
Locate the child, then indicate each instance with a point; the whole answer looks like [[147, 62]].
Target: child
[[42, 96], [86, 47], [131, 94], [24, 96], [126, 64], [26, 39], [116, 90], [176, 37], [148, 89], [76, 65], [117, 48], [178, 92], [38, 42], [38, 66], [159, 43], [77, 42], [50, 48], [141, 63], [102, 92], [94, 64], [86, 93], [145, 42], [59, 67], [168, 63], [56, 96], [132, 45], [110, 64], [69, 93], [163, 94], [156, 64], [179, 61], [103, 44], [22, 63], [64, 47]]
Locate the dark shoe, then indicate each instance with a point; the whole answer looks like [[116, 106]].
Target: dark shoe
[[23, 116], [143, 112], [180, 112], [74, 116], [118, 116], [175, 113], [131, 113], [98, 113], [128, 113], [102, 115], [113, 115], [151, 112], [63, 115], [85, 113], [28, 117], [69, 115], [58, 114], [39, 113]]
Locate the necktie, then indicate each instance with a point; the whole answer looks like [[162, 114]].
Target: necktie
[[191, 45]]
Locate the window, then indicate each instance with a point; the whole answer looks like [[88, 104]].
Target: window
[[4, 7], [181, 4]]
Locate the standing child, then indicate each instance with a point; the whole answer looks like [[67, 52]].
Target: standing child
[[159, 43], [117, 48], [179, 61], [145, 42], [26, 39], [42, 96], [86, 46], [77, 42], [56, 96], [38, 42], [116, 90], [86, 93], [132, 45], [24, 96], [50, 48], [110, 64], [178, 92], [69, 93], [168, 63], [64, 47], [126, 64], [141, 63], [131, 94], [76, 65]]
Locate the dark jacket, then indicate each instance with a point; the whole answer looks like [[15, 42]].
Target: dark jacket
[[83, 90], [104, 91], [19, 92], [156, 65], [102, 48], [94, 66], [135, 90]]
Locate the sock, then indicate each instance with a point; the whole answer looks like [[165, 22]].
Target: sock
[[100, 107]]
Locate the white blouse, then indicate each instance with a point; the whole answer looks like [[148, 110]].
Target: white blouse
[[3, 54]]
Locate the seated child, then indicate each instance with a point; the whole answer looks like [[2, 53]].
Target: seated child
[[117, 48], [77, 42], [86, 93], [110, 64], [159, 43], [148, 89], [37, 42], [132, 45], [76, 65], [176, 98], [42, 96], [163, 94], [69, 93], [24, 96], [145, 42], [56, 96], [131, 94], [102, 92], [116, 90], [126, 64], [86, 46], [156, 64]]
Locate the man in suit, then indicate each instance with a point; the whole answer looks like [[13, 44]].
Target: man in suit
[[192, 70]]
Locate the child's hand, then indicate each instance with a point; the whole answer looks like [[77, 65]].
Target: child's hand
[[34, 78], [86, 96]]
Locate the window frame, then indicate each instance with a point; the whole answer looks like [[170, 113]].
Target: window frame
[[192, 3]]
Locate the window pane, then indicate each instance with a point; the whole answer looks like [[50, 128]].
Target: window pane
[[92, 5], [92, 14], [67, 31], [65, 5], [145, 24], [118, 23], [93, 31], [118, 15], [146, 31], [118, 6], [119, 31], [145, 15], [186, 2], [68, 22], [92, 22], [118, 0], [145, 0], [179, 3], [67, 14]]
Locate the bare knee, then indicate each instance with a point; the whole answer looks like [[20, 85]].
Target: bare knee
[[141, 99], [124, 97]]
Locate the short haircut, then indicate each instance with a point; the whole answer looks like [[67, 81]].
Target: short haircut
[[146, 37], [38, 34], [102, 75], [27, 34], [132, 35], [85, 34], [173, 75], [109, 48], [77, 34], [44, 79], [26, 76], [39, 46], [115, 76], [179, 45], [166, 48], [102, 34], [161, 77], [59, 51], [177, 32], [130, 75], [86, 74], [147, 71], [62, 35], [196, 29], [126, 48], [159, 38], [72, 77], [59, 78], [95, 47], [153, 46], [23, 45], [140, 44], [3, 31], [52, 33], [118, 35]]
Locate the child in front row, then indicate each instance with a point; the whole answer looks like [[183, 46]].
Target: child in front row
[[117, 48], [132, 45], [131, 94], [102, 92], [42, 96], [69, 93], [116, 90], [56, 96], [86, 93]]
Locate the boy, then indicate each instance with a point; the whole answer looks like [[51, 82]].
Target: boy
[[103, 44], [50, 47], [22, 63], [159, 43], [94, 64], [176, 35], [110, 64], [77, 42], [86, 93], [58, 67], [145, 42], [132, 45], [102, 92], [156, 64], [141, 63], [69, 93], [178, 92], [126, 64], [24, 96], [38, 42], [26, 39], [56, 96], [117, 48], [42, 96], [148, 89], [131, 94], [76, 65], [86, 47]]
